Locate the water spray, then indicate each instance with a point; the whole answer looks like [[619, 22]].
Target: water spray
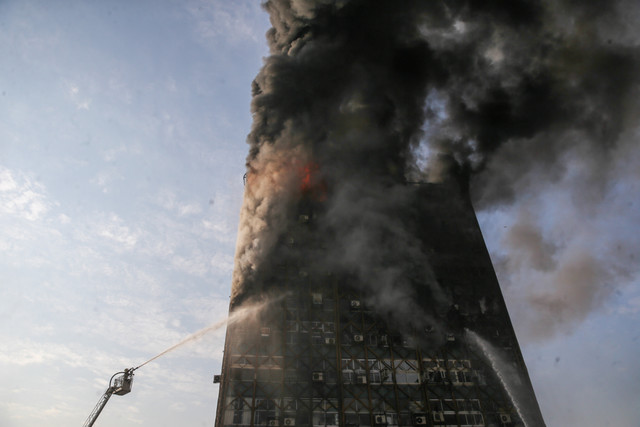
[[498, 367], [121, 382], [239, 314], [191, 337]]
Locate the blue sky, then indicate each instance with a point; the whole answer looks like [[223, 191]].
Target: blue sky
[[122, 129]]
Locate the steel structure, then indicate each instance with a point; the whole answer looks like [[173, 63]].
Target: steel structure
[[119, 384], [324, 356]]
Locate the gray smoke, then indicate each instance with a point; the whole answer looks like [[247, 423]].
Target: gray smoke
[[515, 98]]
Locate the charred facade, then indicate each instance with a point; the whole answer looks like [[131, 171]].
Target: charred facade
[[328, 352]]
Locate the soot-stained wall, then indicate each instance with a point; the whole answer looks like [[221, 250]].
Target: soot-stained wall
[[329, 349]]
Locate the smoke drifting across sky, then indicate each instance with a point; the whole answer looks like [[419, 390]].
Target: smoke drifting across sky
[[534, 104]]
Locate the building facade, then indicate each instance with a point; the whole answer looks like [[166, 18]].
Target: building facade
[[325, 354]]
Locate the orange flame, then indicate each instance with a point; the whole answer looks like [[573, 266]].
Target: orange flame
[[310, 184]]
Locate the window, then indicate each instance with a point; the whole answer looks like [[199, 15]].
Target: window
[[463, 412], [269, 375], [237, 417], [265, 411], [290, 404], [456, 364], [292, 338], [353, 405], [304, 326], [241, 412], [372, 340], [407, 372], [436, 376], [435, 405], [243, 374], [386, 371], [321, 419], [290, 376], [241, 362], [461, 378], [470, 405], [375, 377], [392, 419], [458, 371], [353, 371]]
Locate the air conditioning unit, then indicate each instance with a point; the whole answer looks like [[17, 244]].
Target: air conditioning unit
[[317, 376], [358, 338], [420, 420], [289, 421], [438, 417], [355, 303], [380, 419], [329, 341], [361, 379], [272, 423], [505, 418]]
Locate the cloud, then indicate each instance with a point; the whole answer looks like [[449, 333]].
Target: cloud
[[232, 22], [169, 200], [81, 102], [21, 196], [195, 264], [190, 209], [112, 228], [222, 261], [26, 352], [122, 150], [104, 179]]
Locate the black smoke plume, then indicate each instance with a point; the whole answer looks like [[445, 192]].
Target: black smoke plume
[[515, 99]]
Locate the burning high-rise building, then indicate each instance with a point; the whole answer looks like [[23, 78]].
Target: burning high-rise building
[[383, 305], [330, 351]]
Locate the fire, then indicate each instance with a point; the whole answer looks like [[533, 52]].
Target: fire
[[306, 173], [310, 184]]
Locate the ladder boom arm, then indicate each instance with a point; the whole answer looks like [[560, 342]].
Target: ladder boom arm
[[96, 411]]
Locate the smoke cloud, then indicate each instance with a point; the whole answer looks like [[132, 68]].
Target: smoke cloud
[[533, 105]]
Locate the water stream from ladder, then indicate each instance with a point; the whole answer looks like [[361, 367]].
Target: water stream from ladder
[[237, 315]]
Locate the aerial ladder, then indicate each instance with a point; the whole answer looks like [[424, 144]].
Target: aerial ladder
[[120, 384]]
